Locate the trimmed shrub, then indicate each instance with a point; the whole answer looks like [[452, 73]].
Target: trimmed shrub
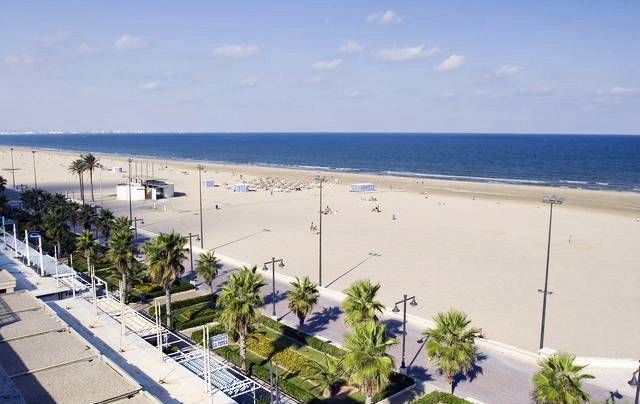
[[439, 397], [397, 382], [280, 354], [181, 325], [303, 338], [135, 295], [184, 303]]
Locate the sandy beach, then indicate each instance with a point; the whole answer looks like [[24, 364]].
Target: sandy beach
[[478, 247]]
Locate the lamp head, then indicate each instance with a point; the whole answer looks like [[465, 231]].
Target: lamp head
[[396, 309], [281, 265], [413, 302], [264, 267]]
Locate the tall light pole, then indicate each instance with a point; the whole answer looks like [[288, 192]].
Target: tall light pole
[[404, 301], [35, 177], [197, 236], [129, 172], [273, 281], [200, 168], [321, 179], [135, 227], [635, 379], [551, 200], [13, 170]]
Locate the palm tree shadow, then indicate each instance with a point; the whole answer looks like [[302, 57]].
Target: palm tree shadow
[[475, 371], [280, 296], [319, 320]]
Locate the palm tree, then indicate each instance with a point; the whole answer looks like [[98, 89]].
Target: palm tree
[[207, 266], [559, 381], [239, 299], [120, 223], [328, 375], [86, 216], [77, 167], [165, 255], [55, 227], [3, 184], [122, 254], [302, 297], [86, 245], [367, 361], [104, 222], [361, 304], [90, 163], [451, 345]]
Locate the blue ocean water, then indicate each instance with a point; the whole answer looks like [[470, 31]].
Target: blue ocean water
[[577, 161]]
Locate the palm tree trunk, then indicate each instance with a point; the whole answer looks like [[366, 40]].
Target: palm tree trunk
[[88, 262], [81, 188], [301, 319], [125, 288], [167, 303], [243, 349], [211, 286], [451, 383], [91, 179]]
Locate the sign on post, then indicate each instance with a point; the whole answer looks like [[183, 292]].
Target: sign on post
[[218, 341], [34, 234]]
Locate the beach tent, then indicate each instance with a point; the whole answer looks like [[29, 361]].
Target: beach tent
[[208, 183], [241, 187], [363, 187]]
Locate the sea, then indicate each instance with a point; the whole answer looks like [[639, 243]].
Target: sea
[[609, 162]]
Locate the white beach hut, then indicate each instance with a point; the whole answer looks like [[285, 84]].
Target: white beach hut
[[117, 170], [241, 187], [208, 183], [363, 187]]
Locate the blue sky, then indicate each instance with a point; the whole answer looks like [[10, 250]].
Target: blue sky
[[420, 66]]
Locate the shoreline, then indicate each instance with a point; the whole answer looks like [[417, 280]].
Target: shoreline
[[477, 247], [617, 199]]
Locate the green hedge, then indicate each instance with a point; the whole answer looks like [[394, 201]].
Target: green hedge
[[182, 325], [261, 371], [135, 296], [303, 338], [397, 383], [183, 303], [438, 397]]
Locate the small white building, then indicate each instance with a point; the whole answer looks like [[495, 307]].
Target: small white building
[[137, 192], [240, 187], [208, 183], [157, 189], [117, 170], [363, 187]]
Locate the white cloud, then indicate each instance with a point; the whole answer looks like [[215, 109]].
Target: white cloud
[[451, 63], [149, 86], [127, 42], [86, 49], [618, 90], [538, 90], [354, 94], [236, 51], [248, 82], [57, 38], [327, 65], [19, 59], [405, 54], [351, 46], [384, 17], [508, 70]]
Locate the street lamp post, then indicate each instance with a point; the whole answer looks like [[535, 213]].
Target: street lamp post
[[635, 379], [129, 173], [197, 236], [200, 168], [273, 280], [404, 301], [13, 171], [135, 227], [321, 179], [551, 200], [35, 177]]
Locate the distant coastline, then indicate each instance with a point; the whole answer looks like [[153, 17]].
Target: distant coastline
[[606, 162]]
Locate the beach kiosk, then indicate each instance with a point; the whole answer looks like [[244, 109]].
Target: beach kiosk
[[240, 187], [137, 192], [117, 170], [363, 187], [208, 183]]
